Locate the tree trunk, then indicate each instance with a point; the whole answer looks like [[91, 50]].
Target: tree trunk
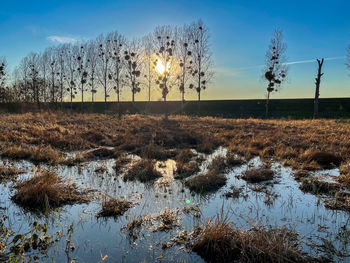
[[82, 97], [317, 83], [267, 105]]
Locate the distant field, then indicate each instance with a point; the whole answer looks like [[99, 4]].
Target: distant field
[[279, 108]]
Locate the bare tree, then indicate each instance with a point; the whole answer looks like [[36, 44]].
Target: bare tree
[[202, 62], [44, 69], [184, 55], [3, 79], [92, 60], [34, 83], [275, 71], [53, 66], [149, 73], [165, 64], [116, 52], [81, 71], [61, 72], [71, 65], [23, 70], [104, 64], [133, 65], [317, 83]]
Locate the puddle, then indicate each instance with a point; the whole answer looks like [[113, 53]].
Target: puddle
[[279, 204]]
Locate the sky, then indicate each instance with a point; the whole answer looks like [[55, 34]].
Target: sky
[[240, 34]]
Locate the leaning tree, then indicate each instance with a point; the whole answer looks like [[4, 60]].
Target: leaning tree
[[275, 71]]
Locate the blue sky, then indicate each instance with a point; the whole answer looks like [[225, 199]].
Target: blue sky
[[240, 31]]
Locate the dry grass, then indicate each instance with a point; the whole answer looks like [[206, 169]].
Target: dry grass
[[101, 169], [9, 173], [258, 175], [221, 164], [218, 164], [313, 144], [184, 156], [340, 201], [202, 183], [325, 159], [100, 153], [184, 170], [344, 177], [35, 154], [144, 171], [168, 219], [120, 162], [220, 241], [316, 186], [300, 174], [114, 207], [45, 189]]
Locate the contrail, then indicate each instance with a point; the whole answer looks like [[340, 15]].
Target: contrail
[[291, 63], [311, 60]]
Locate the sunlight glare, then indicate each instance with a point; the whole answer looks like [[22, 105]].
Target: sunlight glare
[[160, 67]]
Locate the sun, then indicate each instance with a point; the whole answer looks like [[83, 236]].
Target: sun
[[161, 68]]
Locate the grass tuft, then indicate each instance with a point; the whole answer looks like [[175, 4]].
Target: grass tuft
[[220, 241], [47, 190], [36, 154], [114, 207], [184, 170], [144, 171], [258, 175], [211, 181]]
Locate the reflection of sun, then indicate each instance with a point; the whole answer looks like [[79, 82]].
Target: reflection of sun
[[160, 67]]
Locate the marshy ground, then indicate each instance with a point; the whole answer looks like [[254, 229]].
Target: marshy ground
[[144, 189]]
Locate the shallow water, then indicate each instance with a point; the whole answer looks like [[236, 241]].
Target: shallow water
[[281, 203]]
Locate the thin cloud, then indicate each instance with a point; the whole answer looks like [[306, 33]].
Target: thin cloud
[[63, 39]]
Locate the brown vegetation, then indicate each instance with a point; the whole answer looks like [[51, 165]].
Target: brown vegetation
[[184, 170], [9, 173], [114, 207], [258, 175], [35, 154], [317, 185], [211, 181], [143, 171], [44, 190], [310, 143], [220, 241], [324, 159], [120, 162]]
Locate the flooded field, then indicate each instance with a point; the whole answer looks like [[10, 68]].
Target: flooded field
[[100, 188], [163, 210]]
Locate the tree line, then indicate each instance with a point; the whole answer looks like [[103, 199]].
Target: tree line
[[276, 69], [169, 58]]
